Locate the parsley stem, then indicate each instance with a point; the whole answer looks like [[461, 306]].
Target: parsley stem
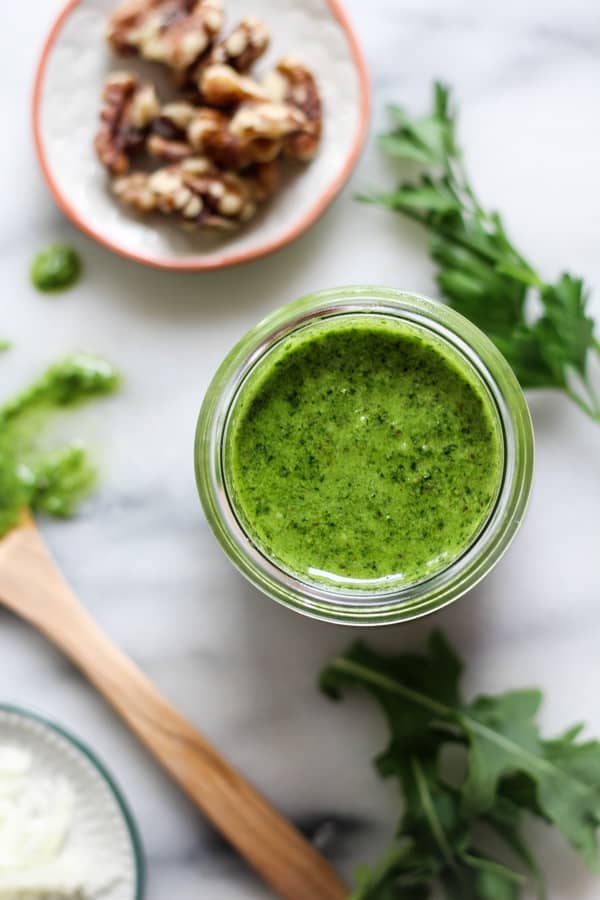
[[581, 403]]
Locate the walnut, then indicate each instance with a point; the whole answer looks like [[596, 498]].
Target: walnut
[[240, 49], [266, 120], [295, 85], [128, 108], [168, 139], [178, 115], [123, 23], [210, 134], [196, 193], [220, 85], [173, 32], [168, 150], [134, 191], [265, 179]]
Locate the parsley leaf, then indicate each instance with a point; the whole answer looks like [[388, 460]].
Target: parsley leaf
[[510, 771], [480, 272]]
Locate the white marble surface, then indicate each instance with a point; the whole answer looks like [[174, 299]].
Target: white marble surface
[[141, 556]]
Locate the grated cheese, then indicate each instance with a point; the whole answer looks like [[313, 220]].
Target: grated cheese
[[37, 861]]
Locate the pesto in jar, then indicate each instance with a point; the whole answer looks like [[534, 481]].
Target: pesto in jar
[[363, 449]]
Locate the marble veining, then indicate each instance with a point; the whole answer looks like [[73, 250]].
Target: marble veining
[[141, 555]]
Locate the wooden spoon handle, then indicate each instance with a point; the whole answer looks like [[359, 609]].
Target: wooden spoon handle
[[32, 585]]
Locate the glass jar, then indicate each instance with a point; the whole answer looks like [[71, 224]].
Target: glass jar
[[380, 603]]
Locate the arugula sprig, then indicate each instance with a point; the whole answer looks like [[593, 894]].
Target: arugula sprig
[[510, 771], [480, 271]]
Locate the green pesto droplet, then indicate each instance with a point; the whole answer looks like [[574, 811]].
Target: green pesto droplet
[[56, 268]]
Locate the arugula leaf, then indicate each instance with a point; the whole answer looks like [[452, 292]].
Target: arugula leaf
[[505, 820], [401, 873], [511, 771], [503, 738], [435, 675], [569, 794], [480, 272], [492, 881]]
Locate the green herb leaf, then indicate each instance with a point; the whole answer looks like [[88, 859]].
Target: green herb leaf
[[434, 676], [565, 331], [505, 820], [510, 771], [480, 271], [569, 792], [401, 874], [503, 738]]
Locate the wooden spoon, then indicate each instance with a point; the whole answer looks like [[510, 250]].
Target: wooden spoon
[[32, 586]]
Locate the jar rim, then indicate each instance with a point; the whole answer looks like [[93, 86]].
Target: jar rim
[[400, 602]]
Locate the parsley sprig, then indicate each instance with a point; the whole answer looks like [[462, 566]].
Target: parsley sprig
[[480, 271], [506, 770]]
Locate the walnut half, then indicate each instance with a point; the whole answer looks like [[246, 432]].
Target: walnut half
[[220, 85], [295, 85], [168, 140], [197, 193], [254, 134], [241, 48], [129, 106], [173, 32], [210, 133]]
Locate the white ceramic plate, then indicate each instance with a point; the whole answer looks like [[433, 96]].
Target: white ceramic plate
[[67, 92], [101, 815]]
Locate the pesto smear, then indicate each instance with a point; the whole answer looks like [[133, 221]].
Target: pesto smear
[[56, 268], [53, 481], [362, 448]]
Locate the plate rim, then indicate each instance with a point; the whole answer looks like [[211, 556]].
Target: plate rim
[[42, 719], [226, 258]]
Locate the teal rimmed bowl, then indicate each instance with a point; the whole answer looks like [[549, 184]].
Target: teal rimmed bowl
[[101, 811]]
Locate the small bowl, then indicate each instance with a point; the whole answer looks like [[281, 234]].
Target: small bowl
[[66, 106], [101, 811]]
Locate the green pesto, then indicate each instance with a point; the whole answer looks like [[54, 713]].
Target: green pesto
[[50, 481], [363, 449], [56, 268]]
